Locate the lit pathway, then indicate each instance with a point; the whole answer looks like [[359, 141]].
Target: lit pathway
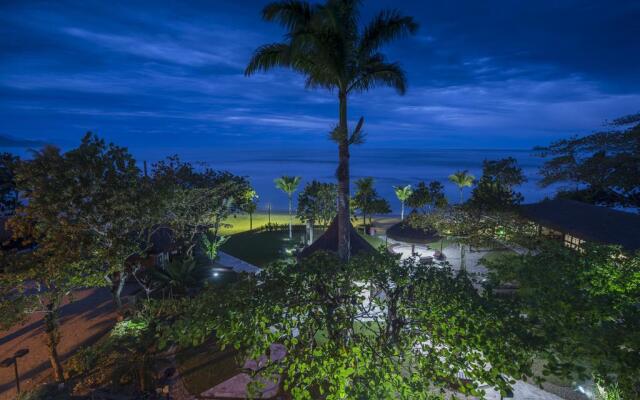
[[229, 261]]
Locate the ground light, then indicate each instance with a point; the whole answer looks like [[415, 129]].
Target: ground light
[[7, 362]]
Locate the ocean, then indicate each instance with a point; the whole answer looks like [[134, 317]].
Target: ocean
[[388, 167]]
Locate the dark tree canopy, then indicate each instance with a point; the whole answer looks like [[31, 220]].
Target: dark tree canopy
[[367, 200], [601, 168], [427, 197], [8, 192], [495, 189], [317, 202], [583, 307]]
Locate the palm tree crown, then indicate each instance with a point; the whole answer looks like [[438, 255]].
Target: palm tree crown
[[326, 43], [403, 193], [288, 184], [462, 179]]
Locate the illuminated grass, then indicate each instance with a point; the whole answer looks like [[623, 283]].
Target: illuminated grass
[[240, 223]]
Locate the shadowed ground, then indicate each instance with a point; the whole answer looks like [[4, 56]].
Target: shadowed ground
[[83, 321]]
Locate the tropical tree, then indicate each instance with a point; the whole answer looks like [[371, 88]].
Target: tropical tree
[[180, 276], [251, 199], [317, 203], [51, 224], [462, 179], [288, 184], [196, 202], [419, 332], [403, 193], [583, 305], [495, 189], [368, 201], [8, 191], [325, 43], [600, 168]]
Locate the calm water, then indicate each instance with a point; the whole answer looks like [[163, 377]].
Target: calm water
[[388, 167]]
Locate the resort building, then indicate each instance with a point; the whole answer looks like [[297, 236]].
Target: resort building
[[575, 223]]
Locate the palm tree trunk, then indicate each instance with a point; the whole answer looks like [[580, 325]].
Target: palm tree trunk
[[461, 195], [290, 220], [402, 211], [250, 221], [344, 245]]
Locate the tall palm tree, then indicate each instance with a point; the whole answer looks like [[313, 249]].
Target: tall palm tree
[[403, 193], [462, 179], [288, 184], [326, 44]]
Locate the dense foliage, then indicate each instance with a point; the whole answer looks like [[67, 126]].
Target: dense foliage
[[8, 192], [495, 189], [317, 203], [427, 197], [376, 327], [601, 168], [367, 200], [584, 307]]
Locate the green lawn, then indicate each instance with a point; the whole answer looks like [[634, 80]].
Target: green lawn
[[263, 248], [495, 255], [240, 223]]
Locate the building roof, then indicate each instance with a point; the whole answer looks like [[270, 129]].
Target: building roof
[[328, 241], [586, 221]]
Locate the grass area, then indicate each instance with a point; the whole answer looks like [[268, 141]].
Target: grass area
[[263, 248], [375, 241], [494, 255], [240, 223], [206, 366], [442, 243]]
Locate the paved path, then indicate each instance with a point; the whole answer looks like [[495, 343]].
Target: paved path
[[83, 322], [229, 261]]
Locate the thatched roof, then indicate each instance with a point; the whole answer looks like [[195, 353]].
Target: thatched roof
[[328, 241], [586, 221]]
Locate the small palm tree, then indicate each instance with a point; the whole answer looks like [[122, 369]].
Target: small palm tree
[[329, 45], [251, 198], [462, 179], [403, 193], [180, 276], [288, 184]]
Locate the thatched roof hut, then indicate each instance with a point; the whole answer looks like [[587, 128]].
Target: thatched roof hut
[[328, 241]]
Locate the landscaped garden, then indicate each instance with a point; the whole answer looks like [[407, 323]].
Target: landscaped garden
[[125, 281]]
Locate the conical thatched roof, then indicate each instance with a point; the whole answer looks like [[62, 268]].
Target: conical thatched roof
[[329, 242]]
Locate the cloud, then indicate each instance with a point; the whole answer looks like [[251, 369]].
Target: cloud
[[161, 50]]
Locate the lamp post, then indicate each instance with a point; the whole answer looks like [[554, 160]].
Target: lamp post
[[7, 362]]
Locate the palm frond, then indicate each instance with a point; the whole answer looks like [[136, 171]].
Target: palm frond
[[269, 56], [380, 73], [358, 135], [291, 14], [387, 26]]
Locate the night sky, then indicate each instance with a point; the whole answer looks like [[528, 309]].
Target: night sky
[[165, 77]]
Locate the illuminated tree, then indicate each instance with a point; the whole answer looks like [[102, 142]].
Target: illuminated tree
[[326, 44], [403, 193], [462, 179], [428, 329], [288, 184], [317, 203]]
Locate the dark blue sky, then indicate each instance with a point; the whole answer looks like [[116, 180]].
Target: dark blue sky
[[164, 77]]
